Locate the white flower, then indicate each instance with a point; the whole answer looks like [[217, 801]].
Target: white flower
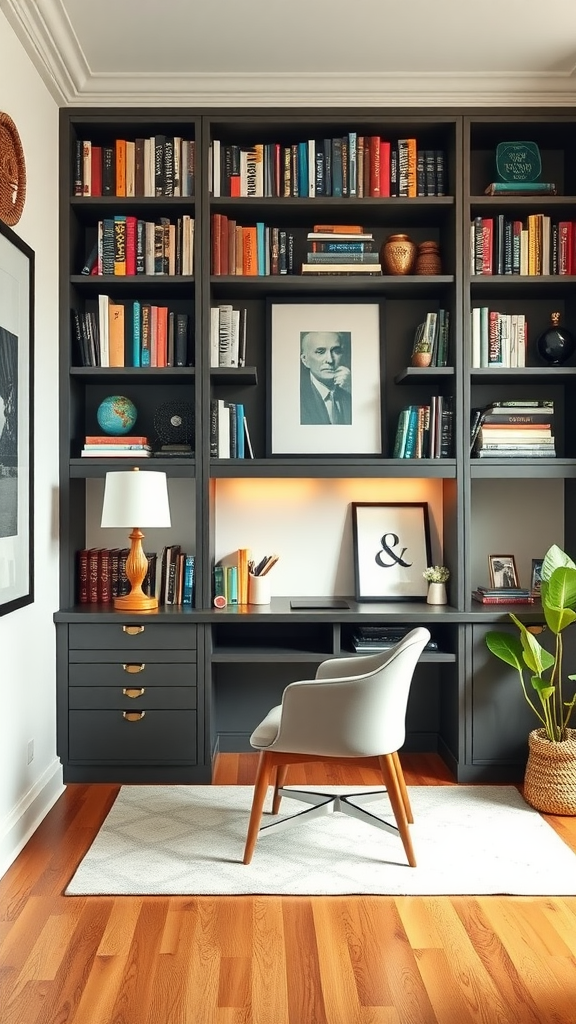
[[436, 574]]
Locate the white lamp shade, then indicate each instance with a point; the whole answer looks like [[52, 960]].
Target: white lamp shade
[[136, 499]]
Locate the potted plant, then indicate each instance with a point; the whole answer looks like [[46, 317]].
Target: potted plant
[[421, 349], [550, 779], [437, 576]]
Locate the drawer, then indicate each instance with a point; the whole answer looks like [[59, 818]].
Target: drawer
[[131, 673], [115, 636], [132, 697], [109, 736]]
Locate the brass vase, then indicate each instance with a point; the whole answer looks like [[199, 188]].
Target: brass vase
[[398, 254], [428, 259]]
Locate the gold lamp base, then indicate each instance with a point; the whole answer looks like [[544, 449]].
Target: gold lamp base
[[136, 568]]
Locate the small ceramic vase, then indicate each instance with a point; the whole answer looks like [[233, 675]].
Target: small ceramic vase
[[555, 345], [428, 259], [398, 254], [437, 593]]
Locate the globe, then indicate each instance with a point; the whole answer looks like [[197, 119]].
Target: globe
[[116, 415]]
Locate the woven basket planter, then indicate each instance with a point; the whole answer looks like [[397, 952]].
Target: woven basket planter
[[550, 779]]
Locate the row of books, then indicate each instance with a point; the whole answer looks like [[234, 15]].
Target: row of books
[[126, 246], [127, 446], [228, 335], [513, 430], [503, 595], [498, 339], [425, 431], [433, 336], [341, 252], [380, 638], [102, 575], [230, 581], [136, 333], [229, 435], [257, 249], [157, 166], [349, 165], [538, 246]]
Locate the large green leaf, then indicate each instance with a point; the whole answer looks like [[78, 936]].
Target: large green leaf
[[506, 647], [543, 687], [536, 658], [554, 559], [560, 591]]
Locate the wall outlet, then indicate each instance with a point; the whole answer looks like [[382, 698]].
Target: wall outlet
[[30, 754]]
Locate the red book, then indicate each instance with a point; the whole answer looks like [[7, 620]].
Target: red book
[[215, 245], [93, 574], [384, 167], [83, 576], [105, 577], [374, 165], [96, 170], [487, 244], [123, 439], [565, 247], [224, 245], [131, 245]]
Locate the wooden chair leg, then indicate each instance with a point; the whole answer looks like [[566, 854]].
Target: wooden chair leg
[[402, 787], [281, 774], [391, 782], [260, 789]]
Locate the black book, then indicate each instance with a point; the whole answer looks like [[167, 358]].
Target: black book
[[181, 340], [159, 143], [91, 260], [78, 171]]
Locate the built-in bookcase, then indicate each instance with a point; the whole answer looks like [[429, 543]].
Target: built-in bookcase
[[237, 660]]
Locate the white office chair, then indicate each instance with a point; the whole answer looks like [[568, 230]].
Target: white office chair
[[354, 710]]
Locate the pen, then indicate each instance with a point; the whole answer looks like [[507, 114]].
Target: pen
[[269, 564]]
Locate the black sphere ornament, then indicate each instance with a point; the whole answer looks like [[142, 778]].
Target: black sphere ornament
[[555, 345]]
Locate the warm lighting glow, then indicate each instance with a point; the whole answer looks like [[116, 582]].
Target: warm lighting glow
[[130, 498]]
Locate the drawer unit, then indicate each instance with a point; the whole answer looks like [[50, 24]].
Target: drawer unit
[[134, 736], [132, 700], [131, 637]]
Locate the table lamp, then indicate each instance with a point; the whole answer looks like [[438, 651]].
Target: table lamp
[[136, 497]]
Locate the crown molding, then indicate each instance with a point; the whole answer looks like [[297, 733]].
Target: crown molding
[[49, 39]]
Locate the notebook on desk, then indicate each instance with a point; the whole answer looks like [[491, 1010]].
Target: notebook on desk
[[299, 603]]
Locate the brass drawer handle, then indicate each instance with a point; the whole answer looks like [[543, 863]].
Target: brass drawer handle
[[133, 691], [133, 669], [133, 716], [133, 630]]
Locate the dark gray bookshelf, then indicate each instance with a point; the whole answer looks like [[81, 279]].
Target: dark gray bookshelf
[[213, 674]]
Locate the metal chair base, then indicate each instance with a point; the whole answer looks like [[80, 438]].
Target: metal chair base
[[328, 803]]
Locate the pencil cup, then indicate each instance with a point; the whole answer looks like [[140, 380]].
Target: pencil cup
[[258, 590]]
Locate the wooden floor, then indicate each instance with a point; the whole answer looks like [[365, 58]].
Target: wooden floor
[[272, 960]]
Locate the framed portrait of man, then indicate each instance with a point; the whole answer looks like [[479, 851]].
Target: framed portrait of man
[[324, 377]]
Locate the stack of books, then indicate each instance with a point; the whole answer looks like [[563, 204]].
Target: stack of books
[[128, 446], [503, 595], [380, 638], [341, 249], [513, 430]]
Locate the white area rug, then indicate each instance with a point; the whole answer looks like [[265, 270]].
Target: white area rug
[[189, 840]]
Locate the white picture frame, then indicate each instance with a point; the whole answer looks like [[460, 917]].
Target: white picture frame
[[391, 550], [294, 426]]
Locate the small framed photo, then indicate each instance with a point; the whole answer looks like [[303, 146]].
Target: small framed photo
[[503, 571], [391, 550], [536, 576], [324, 377]]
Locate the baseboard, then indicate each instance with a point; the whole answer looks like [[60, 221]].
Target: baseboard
[[29, 812]]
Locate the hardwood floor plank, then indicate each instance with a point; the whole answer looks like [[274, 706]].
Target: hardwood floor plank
[[269, 996], [407, 989], [337, 974], [235, 981], [418, 922], [172, 995], [364, 950], [305, 998]]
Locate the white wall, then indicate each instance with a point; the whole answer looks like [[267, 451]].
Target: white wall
[[27, 636]]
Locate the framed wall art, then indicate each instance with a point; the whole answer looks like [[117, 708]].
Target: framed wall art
[[324, 377], [16, 421], [391, 550]]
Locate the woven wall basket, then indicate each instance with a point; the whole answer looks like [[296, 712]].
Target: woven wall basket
[[12, 172], [550, 779]]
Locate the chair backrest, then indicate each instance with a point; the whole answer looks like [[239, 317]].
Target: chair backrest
[[361, 712]]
